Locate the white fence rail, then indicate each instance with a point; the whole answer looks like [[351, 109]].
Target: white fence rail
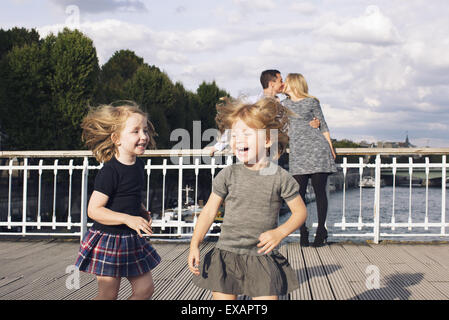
[[34, 182]]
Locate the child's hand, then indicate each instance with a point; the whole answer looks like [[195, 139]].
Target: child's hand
[[194, 261], [269, 240], [139, 224]]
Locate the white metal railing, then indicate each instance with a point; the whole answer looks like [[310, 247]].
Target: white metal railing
[[16, 218]]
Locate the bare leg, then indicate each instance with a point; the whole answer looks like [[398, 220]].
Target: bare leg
[[223, 296], [108, 288], [142, 286], [266, 298]]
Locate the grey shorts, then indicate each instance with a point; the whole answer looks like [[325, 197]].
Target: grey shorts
[[252, 275]]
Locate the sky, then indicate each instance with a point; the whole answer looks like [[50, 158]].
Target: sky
[[379, 68]]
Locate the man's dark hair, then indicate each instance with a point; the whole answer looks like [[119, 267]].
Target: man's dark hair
[[267, 76]]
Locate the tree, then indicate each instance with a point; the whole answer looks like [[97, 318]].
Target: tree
[[154, 92], [73, 83], [209, 94], [45, 91], [16, 37], [24, 99], [115, 76]]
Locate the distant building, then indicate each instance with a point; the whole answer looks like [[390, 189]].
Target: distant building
[[389, 144], [365, 144]]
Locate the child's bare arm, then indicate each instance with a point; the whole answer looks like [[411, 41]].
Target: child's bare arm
[[271, 238], [205, 220], [97, 211]]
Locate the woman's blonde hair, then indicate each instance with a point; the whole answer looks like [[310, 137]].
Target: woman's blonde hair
[[267, 113], [102, 122], [298, 85]]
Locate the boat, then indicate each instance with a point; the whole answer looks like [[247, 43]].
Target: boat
[[189, 209], [367, 182]]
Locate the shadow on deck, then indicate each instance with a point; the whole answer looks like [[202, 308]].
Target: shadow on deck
[[36, 270]]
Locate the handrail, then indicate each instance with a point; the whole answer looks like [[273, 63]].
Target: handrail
[[201, 152], [15, 208]]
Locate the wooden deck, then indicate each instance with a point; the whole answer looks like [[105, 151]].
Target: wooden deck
[[36, 269]]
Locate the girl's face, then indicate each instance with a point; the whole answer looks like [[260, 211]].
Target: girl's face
[[134, 137], [249, 144]]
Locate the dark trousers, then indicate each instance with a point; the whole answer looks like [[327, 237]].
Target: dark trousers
[[319, 181]]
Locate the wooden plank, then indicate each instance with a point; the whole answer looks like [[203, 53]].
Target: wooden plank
[[191, 291], [354, 262], [391, 287], [185, 289], [37, 258], [335, 275], [88, 288], [7, 280], [418, 261], [437, 253], [297, 263], [348, 264], [353, 250], [443, 287], [320, 287], [414, 284], [35, 267], [338, 271], [6, 247]]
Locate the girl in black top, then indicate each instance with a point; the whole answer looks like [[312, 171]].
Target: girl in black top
[[114, 247]]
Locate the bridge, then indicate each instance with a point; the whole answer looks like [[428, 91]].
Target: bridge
[[39, 240]]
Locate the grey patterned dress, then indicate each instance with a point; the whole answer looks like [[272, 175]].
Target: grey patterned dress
[[309, 150]]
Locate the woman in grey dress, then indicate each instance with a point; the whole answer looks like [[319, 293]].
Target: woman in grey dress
[[311, 152]]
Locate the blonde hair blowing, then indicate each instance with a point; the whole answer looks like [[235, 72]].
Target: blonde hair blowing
[[298, 85], [266, 113], [101, 122]]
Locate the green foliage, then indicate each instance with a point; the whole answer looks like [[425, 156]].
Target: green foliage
[[209, 94], [115, 76], [73, 83], [47, 86], [16, 37], [45, 92], [345, 144]]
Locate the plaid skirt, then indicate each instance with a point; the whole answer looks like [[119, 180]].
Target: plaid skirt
[[116, 255]]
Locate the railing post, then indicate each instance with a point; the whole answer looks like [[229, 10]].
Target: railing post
[[180, 195], [443, 194], [377, 201], [84, 184], [25, 195]]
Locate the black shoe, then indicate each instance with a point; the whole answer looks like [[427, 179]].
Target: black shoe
[[320, 238], [304, 238]]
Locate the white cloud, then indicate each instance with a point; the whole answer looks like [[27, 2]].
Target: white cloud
[[373, 28], [375, 73], [303, 7], [250, 5], [372, 102], [99, 6]]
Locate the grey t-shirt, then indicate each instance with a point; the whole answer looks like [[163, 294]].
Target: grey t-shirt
[[252, 202]]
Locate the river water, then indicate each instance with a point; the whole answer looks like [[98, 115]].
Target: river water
[[401, 211]]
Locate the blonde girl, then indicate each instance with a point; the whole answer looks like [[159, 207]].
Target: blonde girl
[[114, 246], [245, 259]]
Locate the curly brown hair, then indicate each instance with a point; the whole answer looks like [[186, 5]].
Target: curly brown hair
[[101, 122], [267, 113]]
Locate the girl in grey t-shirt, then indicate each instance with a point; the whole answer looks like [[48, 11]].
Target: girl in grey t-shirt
[[244, 260]]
